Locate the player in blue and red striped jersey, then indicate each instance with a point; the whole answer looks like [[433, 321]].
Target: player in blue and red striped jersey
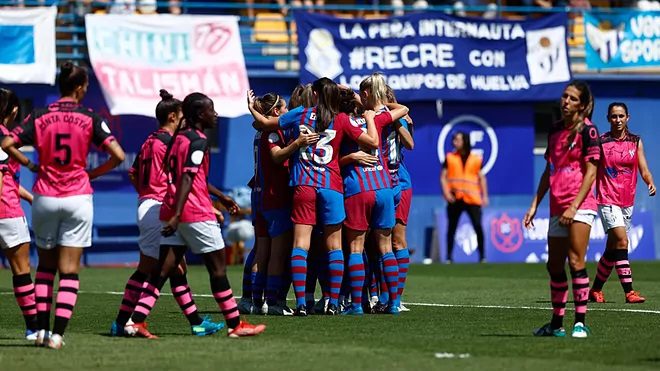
[[315, 176], [150, 181], [189, 219], [394, 138], [369, 201], [273, 206]]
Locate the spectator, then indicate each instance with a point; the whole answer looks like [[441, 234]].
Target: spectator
[[240, 228]]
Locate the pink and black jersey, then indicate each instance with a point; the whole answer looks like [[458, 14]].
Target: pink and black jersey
[[360, 178], [617, 170], [150, 177], [61, 134], [271, 180], [567, 155], [318, 165], [10, 206], [189, 154]]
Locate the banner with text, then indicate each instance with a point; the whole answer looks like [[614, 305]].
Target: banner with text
[[620, 40], [27, 50], [428, 56], [508, 241], [134, 56]]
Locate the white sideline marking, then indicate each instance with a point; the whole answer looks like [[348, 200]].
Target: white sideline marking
[[437, 305], [452, 355]]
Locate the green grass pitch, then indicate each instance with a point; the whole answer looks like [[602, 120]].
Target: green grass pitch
[[481, 315]]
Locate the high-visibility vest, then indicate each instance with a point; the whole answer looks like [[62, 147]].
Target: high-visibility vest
[[464, 179]]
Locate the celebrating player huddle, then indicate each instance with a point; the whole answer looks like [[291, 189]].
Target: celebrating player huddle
[[330, 201], [343, 175]]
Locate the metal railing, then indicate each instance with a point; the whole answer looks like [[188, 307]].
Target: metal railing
[[274, 51]]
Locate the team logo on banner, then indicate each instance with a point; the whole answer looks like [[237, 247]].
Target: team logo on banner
[[323, 58], [547, 59], [506, 233], [482, 137]]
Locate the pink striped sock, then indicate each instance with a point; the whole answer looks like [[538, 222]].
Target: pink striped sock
[[559, 296], [148, 298], [43, 290], [225, 299], [580, 294], [25, 297], [67, 295]]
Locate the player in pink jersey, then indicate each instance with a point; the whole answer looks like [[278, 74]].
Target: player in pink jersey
[[272, 207], [149, 179], [62, 210], [189, 220], [318, 193], [14, 231], [623, 155], [572, 158]]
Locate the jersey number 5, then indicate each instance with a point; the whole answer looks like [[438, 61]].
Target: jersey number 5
[[62, 144]]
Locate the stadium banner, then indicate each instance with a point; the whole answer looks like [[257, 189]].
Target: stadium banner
[[134, 56], [620, 40], [27, 50], [429, 56], [501, 133], [508, 241]]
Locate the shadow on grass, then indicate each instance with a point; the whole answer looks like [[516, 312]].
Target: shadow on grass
[[506, 335], [652, 360]]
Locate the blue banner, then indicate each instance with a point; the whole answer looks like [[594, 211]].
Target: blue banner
[[507, 240], [622, 40], [429, 56], [503, 134]]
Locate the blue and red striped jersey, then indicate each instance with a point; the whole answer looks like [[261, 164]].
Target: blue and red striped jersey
[[359, 178]]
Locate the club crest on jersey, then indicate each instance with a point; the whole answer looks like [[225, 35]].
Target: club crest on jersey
[[632, 152], [482, 137]]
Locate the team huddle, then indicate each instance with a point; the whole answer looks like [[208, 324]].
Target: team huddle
[[330, 202]]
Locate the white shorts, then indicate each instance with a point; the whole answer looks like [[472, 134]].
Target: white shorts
[[557, 230], [14, 232], [148, 221], [613, 216], [200, 237], [62, 221]]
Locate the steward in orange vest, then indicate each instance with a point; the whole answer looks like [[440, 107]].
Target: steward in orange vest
[[463, 178]]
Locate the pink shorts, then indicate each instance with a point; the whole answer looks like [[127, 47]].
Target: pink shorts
[[403, 209]]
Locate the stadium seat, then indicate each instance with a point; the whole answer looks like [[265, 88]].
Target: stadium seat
[[270, 27], [576, 34]]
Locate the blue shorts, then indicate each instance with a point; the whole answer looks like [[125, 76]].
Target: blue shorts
[[278, 221], [317, 206], [396, 190]]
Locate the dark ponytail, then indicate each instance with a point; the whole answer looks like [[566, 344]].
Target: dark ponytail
[[192, 107], [8, 101], [167, 105], [267, 103], [71, 77]]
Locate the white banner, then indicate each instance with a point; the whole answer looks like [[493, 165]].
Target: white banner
[[134, 56], [27, 50]]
